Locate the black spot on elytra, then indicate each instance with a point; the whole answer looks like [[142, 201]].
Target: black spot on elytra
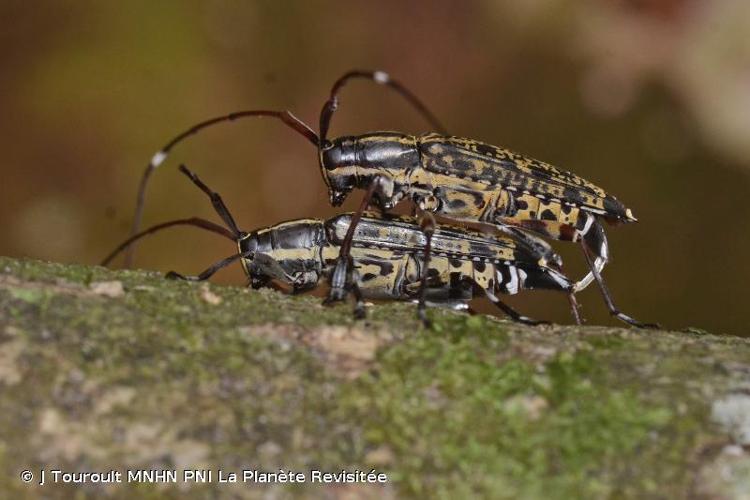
[[368, 277], [573, 196], [548, 214], [456, 204], [386, 268], [480, 266], [522, 205], [460, 164], [566, 209], [455, 262], [532, 214], [478, 200]]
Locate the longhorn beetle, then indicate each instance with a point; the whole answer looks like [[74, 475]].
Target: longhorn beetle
[[390, 258], [460, 179]]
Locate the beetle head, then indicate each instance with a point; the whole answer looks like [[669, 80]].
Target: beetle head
[[284, 255]]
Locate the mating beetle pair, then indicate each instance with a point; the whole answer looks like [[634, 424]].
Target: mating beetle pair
[[460, 179]]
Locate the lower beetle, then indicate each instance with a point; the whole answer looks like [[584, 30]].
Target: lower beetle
[[391, 258]]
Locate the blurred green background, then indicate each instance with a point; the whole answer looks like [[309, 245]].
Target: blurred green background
[[648, 99]]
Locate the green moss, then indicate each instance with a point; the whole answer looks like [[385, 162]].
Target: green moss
[[26, 295], [474, 406], [462, 421]]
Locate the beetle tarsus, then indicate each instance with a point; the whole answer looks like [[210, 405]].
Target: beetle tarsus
[[638, 324], [422, 315], [575, 308], [338, 291]]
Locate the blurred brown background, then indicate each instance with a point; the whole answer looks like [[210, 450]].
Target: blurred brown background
[[648, 99]]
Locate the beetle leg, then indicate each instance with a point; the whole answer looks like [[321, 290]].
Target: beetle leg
[[338, 280], [607, 297], [589, 229], [574, 307], [512, 313], [594, 239], [427, 224], [345, 279], [208, 272], [359, 307], [344, 262], [540, 247]]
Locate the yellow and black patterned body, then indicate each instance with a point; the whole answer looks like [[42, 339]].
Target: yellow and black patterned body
[[469, 181], [387, 253]]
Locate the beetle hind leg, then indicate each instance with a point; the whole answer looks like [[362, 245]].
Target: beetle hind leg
[[613, 310], [587, 229], [512, 313], [594, 239]]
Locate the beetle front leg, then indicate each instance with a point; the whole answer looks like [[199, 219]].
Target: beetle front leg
[[359, 306], [345, 279], [339, 278], [427, 224], [344, 262]]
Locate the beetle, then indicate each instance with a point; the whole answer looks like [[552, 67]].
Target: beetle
[[460, 179], [391, 257]]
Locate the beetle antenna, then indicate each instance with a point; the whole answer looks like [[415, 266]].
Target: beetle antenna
[[382, 78], [193, 221], [216, 201], [285, 116]]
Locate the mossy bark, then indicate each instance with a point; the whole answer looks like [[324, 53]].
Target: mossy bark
[[123, 370]]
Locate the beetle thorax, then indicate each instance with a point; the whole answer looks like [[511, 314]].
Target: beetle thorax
[[356, 162]]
